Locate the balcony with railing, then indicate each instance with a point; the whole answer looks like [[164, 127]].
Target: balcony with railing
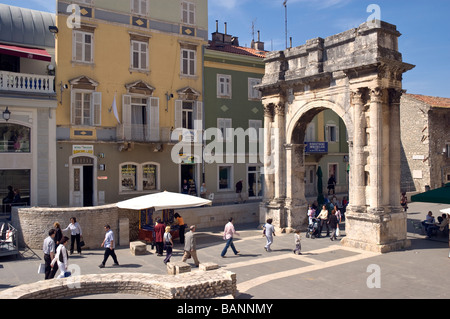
[[137, 133], [27, 83]]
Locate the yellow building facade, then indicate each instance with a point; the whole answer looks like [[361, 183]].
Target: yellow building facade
[[128, 73]]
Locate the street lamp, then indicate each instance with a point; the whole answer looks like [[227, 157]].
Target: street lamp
[[6, 114]]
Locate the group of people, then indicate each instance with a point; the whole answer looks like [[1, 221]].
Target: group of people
[[164, 240], [329, 217], [56, 256], [430, 225]]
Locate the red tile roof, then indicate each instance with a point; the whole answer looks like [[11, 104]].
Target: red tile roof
[[433, 101], [237, 50]]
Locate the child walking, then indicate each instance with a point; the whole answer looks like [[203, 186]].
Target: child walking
[[298, 245], [269, 232]]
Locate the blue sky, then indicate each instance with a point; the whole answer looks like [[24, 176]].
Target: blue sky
[[425, 28]]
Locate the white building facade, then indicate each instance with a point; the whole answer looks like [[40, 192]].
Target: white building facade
[[27, 107]]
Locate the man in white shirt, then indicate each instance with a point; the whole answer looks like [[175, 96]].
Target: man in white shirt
[[109, 245], [49, 254], [228, 234]]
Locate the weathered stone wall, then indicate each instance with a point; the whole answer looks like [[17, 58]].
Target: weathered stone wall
[[192, 285], [439, 119], [415, 138], [215, 216], [34, 223], [424, 133]]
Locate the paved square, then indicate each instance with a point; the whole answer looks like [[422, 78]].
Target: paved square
[[325, 270]]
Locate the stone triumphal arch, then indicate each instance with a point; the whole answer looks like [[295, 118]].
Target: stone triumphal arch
[[358, 75]]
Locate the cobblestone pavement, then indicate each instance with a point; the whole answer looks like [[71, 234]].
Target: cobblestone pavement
[[325, 270]]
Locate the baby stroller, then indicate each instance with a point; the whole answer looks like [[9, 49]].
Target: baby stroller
[[313, 229]]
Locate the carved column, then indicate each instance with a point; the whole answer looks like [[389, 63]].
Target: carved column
[[269, 164], [376, 151], [358, 196], [280, 154], [395, 147]]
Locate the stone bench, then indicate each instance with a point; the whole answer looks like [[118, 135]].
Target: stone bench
[[138, 248], [176, 268]]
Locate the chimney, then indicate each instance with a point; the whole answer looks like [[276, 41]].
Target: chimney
[[258, 45], [217, 37], [227, 37]]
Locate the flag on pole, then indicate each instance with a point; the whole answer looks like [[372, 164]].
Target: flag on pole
[[114, 108]]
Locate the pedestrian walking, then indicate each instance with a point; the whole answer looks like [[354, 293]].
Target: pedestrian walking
[[49, 250], [58, 234], [160, 228], [190, 247], [298, 245], [62, 258], [75, 234], [228, 234], [240, 198], [109, 243], [269, 232], [333, 223], [168, 244], [181, 225], [323, 216]]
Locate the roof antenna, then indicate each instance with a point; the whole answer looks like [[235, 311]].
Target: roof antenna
[[286, 21]]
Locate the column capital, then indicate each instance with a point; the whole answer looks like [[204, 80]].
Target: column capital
[[268, 110], [395, 96], [280, 108], [376, 94]]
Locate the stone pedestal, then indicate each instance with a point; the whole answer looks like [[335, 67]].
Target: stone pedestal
[[379, 232], [176, 268], [208, 266], [138, 248]]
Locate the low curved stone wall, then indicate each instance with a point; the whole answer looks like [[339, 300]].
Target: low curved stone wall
[[34, 223], [192, 285]]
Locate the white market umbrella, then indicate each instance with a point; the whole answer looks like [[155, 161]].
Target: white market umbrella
[[163, 200]]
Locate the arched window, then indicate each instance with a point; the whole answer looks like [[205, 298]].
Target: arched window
[[14, 138]]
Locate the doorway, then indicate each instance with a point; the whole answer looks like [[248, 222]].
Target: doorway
[[189, 173], [83, 182], [88, 186]]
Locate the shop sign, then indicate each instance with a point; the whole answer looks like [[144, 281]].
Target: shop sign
[[316, 147], [83, 149]]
